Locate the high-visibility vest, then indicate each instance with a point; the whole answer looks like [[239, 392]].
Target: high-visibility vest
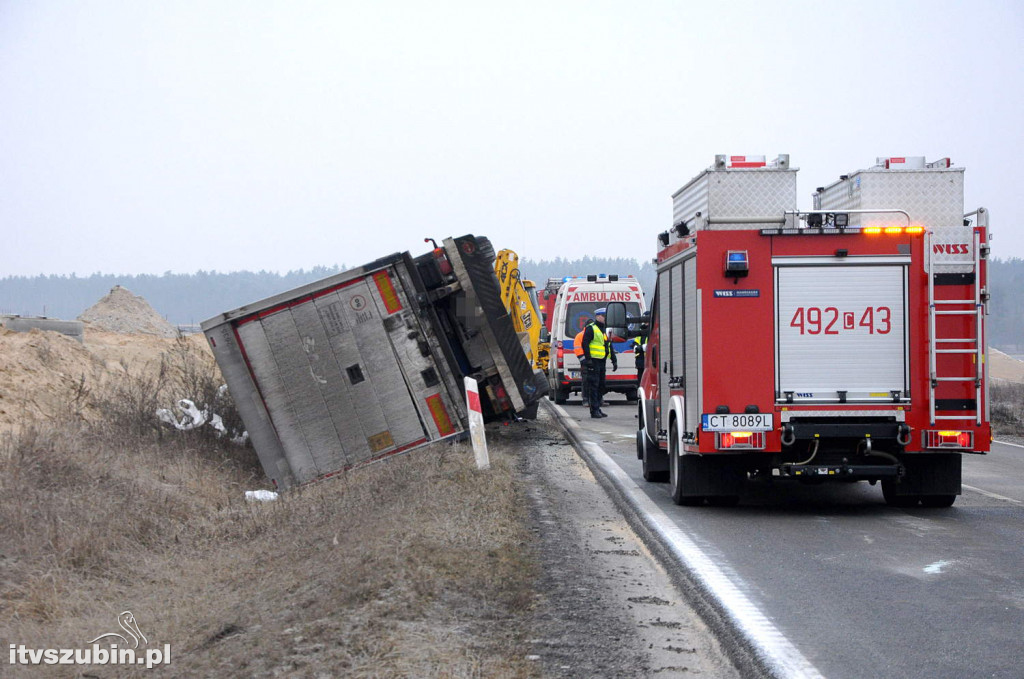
[[577, 344], [598, 345]]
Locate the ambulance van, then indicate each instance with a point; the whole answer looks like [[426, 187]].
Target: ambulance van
[[574, 306]]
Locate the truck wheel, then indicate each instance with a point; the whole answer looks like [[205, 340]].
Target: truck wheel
[[561, 395], [939, 501], [675, 466], [632, 395]]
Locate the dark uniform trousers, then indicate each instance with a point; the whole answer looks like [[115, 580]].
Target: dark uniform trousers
[[594, 382]]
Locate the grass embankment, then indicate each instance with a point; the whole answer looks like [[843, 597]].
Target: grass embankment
[[420, 566], [1007, 408]]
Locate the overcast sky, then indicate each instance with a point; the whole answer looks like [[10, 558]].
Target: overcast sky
[[145, 136]]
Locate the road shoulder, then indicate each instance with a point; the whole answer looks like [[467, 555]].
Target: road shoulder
[[606, 607]]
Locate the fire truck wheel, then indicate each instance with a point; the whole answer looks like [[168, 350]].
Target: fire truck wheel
[[561, 395], [675, 465]]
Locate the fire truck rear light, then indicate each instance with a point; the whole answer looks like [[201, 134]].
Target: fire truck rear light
[[872, 230], [914, 230], [737, 440], [945, 438], [894, 229]]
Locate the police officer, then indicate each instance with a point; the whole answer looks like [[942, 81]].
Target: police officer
[[596, 350]]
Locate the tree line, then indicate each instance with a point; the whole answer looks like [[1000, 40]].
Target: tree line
[[183, 299], [186, 299]]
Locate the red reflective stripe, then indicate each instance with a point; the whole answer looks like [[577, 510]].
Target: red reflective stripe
[[295, 302], [474, 401]]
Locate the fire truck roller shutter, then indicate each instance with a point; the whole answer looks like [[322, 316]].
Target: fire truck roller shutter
[[841, 330]]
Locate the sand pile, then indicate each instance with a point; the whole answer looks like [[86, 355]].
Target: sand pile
[[41, 374], [1004, 367], [122, 312], [44, 374]]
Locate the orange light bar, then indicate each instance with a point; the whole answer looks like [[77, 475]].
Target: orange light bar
[[893, 230]]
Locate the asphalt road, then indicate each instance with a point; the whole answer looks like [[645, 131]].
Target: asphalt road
[[859, 588]]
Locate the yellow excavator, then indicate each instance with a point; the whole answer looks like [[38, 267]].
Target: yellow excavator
[[520, 298]]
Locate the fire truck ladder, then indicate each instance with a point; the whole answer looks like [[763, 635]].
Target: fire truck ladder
[[973, 344]]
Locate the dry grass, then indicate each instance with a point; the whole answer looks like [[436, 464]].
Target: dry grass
[[1007, 408], [419, 566]]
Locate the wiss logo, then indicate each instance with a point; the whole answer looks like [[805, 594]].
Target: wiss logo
[[951, 248]]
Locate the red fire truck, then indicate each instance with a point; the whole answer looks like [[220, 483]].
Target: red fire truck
[[842, 343]]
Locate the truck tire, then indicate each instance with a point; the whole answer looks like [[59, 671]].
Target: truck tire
[[676, 471], [561, 395], [632, 395]]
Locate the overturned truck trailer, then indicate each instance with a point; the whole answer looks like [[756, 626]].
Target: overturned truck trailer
[[370, 362]]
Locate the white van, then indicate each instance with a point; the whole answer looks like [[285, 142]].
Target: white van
[[574, 307]]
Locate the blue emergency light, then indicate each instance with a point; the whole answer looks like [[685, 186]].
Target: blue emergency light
[[736, 263]]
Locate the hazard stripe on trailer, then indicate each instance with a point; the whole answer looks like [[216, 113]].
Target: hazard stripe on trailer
[[440, 414], [387, 291]]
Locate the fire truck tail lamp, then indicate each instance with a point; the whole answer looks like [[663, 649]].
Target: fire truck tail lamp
[[739, 440], [943, 438]]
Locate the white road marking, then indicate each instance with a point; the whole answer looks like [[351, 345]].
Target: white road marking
[[936, 567], [994, 496], [1006, 443]]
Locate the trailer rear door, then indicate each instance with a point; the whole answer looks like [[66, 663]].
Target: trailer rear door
[[841, 329], [343, 376]]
